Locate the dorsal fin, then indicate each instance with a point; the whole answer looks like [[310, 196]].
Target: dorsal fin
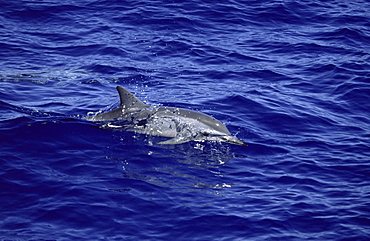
[[128, 100]]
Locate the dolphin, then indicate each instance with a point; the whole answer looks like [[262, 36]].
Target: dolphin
[[181, 125]]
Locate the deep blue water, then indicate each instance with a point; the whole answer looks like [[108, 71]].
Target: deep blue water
[[291, 78]]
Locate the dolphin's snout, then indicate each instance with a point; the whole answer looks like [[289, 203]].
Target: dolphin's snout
[[234, 140]]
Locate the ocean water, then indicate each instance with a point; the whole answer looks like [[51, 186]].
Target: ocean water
[[291, 78]]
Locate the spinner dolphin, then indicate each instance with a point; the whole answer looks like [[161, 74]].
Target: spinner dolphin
[[181, 125]]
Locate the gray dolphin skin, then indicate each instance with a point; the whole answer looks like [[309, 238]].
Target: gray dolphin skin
[[181, 125]]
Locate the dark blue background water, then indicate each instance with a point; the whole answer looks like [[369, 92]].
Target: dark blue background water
[[291, 78]]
